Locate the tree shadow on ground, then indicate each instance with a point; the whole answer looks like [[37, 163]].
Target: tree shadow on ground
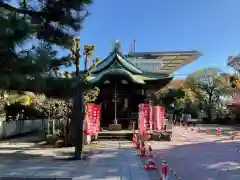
[[207, 160], [101, 163]]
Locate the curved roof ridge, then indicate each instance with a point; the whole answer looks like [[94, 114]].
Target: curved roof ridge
[[116, 55]]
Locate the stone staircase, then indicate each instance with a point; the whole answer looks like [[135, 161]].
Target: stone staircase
[[115, 135]]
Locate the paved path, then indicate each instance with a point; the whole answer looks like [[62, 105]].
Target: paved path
[[193, 156], [225, 130], [20, 158], [197, 156]]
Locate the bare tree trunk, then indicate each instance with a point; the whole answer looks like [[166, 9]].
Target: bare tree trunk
[[209, 113], [209, 108], [49, 118], [77, 125]]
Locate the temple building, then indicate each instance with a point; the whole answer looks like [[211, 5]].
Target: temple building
[[124, 81]]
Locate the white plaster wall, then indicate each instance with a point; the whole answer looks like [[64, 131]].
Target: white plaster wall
[[13, 128]]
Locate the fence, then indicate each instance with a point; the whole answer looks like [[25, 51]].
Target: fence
[[18, 127]]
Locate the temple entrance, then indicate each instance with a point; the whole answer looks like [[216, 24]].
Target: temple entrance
[[123, 111], [117, 101], [110, 115]]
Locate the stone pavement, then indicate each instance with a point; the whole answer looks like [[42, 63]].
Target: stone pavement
[[225, 130], [118, 161], [199, 156]]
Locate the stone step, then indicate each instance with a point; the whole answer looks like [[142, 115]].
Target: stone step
[[114, 135]]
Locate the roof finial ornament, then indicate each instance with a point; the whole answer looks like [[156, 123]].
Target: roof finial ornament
[[117, 46]]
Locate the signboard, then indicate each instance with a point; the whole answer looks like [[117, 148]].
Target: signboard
[[92, 121]]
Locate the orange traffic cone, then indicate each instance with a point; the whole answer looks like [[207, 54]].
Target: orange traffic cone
[[218, 131], [135, 140], [151, 164], [137, 144], [164, 171]]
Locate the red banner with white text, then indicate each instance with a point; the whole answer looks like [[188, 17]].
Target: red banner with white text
[[158, 118], [150, 118], [92, 121], [143, 118], [96, 117]]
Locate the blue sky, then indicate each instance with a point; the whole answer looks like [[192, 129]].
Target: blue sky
[[209, 26]]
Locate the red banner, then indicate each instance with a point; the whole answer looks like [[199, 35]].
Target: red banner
[[150, 118], [154, 117], [162, 117], [143, 118], [96, 117], [88, 119], [92, 121], [158, 118]]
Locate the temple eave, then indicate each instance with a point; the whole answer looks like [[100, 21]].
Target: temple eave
[[157, 84], [122, 74]]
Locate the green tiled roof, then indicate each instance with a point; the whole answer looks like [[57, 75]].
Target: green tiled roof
[[123, 72], [116, 57], [117, 64]]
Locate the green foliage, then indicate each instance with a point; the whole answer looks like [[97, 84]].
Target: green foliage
[[50, 23], [91, 95], [169, 96], [36, 68], [234, 82], [52, 20], [3, 102], [57, 108], [208, 85]]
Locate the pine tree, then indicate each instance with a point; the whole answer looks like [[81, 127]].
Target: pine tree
[[51, 22]]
